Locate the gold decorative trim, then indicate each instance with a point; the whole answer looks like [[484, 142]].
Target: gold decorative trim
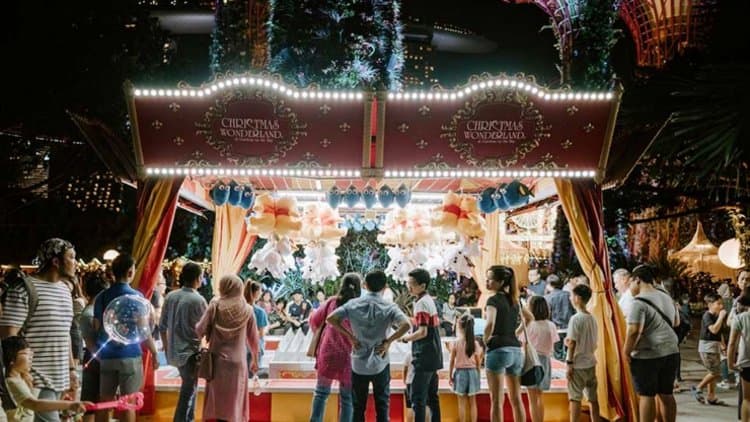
[[437, 162], [224, 148], [529, 113]]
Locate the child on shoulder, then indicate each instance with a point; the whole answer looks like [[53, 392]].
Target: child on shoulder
[[465, 364], [581, 342], [17, 357]]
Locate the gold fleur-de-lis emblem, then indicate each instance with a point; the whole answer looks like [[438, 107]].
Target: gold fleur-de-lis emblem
[[157, 124], [566, 144], [403, 127], [174, 107], [344, 127], [572, 110], [422, 144], [547, 157], [325, 142], [325, 108], [424, 110], [177, 140], [197, 154], [588, 128], [308, 156]]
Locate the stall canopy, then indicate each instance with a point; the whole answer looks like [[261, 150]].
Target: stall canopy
[[493, 127], [701, 255], [258, 130]]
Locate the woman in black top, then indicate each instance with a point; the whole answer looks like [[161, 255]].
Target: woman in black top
[[504, 355]]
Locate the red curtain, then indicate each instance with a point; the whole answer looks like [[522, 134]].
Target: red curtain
[[589, 197], [157, 203]]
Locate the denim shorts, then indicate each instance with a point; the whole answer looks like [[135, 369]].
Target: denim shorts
[[504, 360], [466, 381]]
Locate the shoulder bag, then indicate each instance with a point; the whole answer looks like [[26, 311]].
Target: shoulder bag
[[312, 350], [205, 356]]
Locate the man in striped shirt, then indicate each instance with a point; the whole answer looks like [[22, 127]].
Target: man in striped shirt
[[47, 329]]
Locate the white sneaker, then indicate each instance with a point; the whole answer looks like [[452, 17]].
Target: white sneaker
[[723, 385]]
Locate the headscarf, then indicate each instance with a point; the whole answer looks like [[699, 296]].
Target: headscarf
[[231, 310]]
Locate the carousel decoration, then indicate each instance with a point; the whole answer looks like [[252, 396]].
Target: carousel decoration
[[321, 235], [412, 243], [460, 215], [278, 221]]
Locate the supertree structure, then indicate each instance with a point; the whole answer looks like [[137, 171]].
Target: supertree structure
[[662, 29]]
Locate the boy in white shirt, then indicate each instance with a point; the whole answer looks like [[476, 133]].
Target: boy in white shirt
[[581, 343]]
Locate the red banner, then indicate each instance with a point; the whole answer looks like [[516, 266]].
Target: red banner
[[248, 127], [497, 127]]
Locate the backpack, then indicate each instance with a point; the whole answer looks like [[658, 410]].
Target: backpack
[[15, 279]]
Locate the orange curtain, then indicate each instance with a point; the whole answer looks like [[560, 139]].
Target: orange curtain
[[490, 255], [582, 204], [157, 203], [231, 243]]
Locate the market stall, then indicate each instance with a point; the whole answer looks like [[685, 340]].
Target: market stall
[[440, 162]]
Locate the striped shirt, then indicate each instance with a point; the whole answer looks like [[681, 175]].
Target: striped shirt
[[47, 330]]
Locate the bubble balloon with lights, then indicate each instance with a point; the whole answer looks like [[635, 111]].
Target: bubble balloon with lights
[[128, 319]]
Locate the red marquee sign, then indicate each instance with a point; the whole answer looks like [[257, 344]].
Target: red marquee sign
[[491, 127], [249, 125], [497, 124]]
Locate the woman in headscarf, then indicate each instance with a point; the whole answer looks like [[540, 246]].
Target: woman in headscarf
[[229, 326]]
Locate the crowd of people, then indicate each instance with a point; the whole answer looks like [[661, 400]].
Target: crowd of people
[[353, 332]]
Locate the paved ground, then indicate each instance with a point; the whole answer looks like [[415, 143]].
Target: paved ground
[[689, 410]]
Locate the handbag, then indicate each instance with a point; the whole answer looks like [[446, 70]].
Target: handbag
[[206, 357], [312, 349], [533, 372]]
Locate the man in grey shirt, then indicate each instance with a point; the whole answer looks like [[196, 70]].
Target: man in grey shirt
[[651, 345], [181, 312], [370, 317]]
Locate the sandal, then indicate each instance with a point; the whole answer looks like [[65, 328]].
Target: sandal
[[697, 395], [716, 402]]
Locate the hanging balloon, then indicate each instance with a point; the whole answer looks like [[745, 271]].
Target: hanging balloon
[[403, 196], [248, 197], [499, 197], [369, 196], [357, 224], [487, 201], [370, 225], [386, 196], [517, 194], [220, 194], [351, 196], [333, 197], [235, 193]]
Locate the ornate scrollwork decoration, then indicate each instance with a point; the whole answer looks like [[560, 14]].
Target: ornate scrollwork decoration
[[529, 114], [281, 110]]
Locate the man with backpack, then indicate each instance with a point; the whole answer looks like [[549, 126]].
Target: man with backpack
[[41, 309]]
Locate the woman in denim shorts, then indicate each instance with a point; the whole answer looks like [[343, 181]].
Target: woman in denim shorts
[[504, 355]]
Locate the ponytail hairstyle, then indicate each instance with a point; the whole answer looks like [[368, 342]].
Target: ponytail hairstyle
[[507, 279], [467, 324], [351, 287]]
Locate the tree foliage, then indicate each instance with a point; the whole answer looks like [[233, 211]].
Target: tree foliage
[[336, 43]]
